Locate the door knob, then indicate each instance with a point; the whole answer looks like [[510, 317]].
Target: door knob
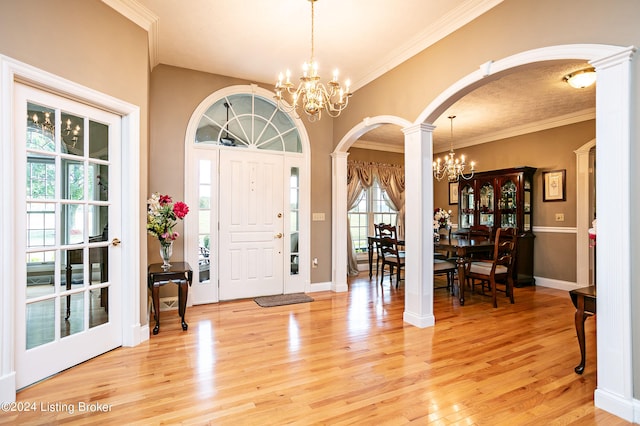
[[279, 215], [115, 242], [279, 235]]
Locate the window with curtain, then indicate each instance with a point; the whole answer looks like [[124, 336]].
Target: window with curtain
[[372, 207]]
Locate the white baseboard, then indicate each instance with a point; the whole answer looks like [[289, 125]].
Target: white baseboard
[[627, 409], [8, 387], [420, 322], [314, 287], [557, 284], [144, 333]]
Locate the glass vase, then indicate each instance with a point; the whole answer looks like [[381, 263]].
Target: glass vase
[[166, 250]]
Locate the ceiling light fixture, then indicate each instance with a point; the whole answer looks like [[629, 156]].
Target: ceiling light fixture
[[452, 168], [581, 79], [311, 96]]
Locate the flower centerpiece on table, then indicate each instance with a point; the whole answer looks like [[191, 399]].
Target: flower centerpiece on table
[[162, 216], [441, 219]]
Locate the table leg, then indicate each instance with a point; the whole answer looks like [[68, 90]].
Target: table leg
[[370, 253], [461, 278], [155, 293], [580, 317], [182, 302]]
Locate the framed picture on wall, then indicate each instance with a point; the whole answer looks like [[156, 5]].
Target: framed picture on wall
[[554, 185], [453, 193]]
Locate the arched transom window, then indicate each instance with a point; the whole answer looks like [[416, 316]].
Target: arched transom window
[[248, 120]]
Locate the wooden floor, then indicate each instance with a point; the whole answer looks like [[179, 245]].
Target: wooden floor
[[346, 358]]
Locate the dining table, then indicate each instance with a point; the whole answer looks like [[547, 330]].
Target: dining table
[[464, 248]]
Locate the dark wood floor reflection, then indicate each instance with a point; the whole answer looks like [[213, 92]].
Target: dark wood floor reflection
[[346, 358]]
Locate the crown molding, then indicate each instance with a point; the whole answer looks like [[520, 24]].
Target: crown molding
[[452, 21], [378, 146], [142, 17], [538, 126]]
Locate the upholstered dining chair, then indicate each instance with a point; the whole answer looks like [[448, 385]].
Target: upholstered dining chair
[[499, 269], [392, 257]]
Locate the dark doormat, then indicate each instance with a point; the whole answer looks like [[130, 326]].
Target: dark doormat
[[282, 299]]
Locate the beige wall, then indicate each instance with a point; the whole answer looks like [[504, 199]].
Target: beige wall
[[512, 27], [373, 156], [553, 149], [175, 94], [88, 43]]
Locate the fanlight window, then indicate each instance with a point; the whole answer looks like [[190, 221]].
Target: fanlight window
[[248, 121]]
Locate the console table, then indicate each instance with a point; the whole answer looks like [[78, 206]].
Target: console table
[[584, 299], [179, 273]]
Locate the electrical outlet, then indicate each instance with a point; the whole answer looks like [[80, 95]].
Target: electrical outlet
[[559, 217]]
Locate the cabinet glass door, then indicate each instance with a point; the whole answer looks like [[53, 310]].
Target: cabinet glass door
[[485, 204], [466, 207], [508, 205], [527, 204]]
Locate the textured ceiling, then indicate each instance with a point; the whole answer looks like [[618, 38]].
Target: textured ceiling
[[523, 100], [256, 39]]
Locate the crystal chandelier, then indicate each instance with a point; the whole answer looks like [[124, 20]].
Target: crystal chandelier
[[311, 96], [452, 168]]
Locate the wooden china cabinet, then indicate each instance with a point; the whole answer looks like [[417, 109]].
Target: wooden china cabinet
[[502, 199]]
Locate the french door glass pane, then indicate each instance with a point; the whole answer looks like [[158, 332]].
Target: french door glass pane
[[72, 134], [40, 274], [72, 223], [40, 128], [72, 314], [99, 141], [41, 323], [99, 306]]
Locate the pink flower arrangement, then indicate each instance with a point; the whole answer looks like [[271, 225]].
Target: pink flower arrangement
[[162, 214]]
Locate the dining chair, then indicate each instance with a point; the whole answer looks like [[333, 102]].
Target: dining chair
[[481, 231], [499, 269], [383, 230], [443, 234], [391, 257]]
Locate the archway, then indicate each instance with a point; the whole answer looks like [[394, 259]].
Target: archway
[[339, 194], [614, 107]]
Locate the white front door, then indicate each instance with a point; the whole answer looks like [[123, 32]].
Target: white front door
[[68, 219], [251, 209]]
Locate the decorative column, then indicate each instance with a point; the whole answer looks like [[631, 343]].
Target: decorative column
[[418, 159], [616, 132], [339, 225]]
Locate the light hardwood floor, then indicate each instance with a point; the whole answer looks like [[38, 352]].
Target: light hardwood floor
[[346, 358]]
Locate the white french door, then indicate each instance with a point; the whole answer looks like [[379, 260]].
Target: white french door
[[68, 221], [251, 224]]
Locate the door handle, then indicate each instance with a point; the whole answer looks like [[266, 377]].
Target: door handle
[[115, 242], [279, 235]]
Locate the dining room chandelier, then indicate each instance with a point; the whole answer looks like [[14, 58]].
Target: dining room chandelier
[[311, 96], [452, 168]]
